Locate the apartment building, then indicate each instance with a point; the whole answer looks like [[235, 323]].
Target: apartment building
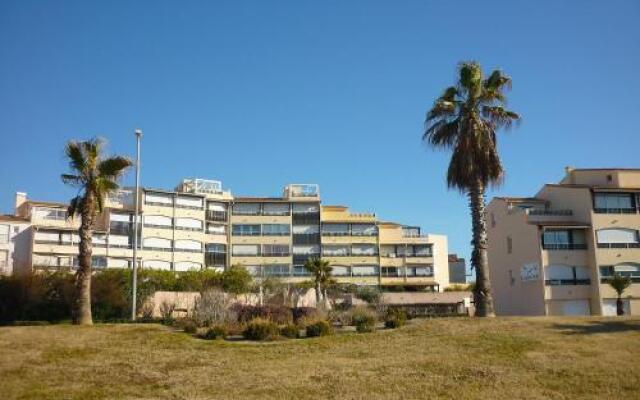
[[552, 254], [199, 225], [457, 269], [14, 243]]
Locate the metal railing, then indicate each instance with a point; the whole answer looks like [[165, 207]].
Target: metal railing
[[625, 210], [220, 216], [619, 245], [564, 246], [559, 213], [560, 282]]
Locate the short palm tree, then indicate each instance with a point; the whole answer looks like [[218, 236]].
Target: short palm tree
[[619, 283], [466, 118], [321, 271], [95, 176]]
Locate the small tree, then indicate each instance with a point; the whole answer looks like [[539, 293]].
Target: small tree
[[236, 280], [213, 306], [321, 272], [620, 283]]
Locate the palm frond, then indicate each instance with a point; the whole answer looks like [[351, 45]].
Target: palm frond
[[72, 180], [443, 133], [114, 167], [75, 206], [442, 108], [500, 117], [74, 153], [470, 78]]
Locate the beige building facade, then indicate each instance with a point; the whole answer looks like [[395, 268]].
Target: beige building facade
[[552, 254], [198, 225]]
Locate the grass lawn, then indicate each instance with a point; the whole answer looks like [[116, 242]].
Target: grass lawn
[[505, 358]]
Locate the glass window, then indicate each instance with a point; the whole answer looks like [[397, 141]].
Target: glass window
[[275, 209], [281, 250], [245, 230], [191, 245], [554, 236], [335, 250], [335, 229], [364, 270], [340, 270], [422, 250], [156, 220], [189, 224], [190, 202], [216, 229], [617, 236], [4, 233], [215, 206], [158, 198], [305, 229], [246, 209], [305, 208], [364, 230], [614, 200], [216, 248], [306, 249], [157, 243], [246, 249], [391, 272], [275, 230], [364, 249], [276, 270]]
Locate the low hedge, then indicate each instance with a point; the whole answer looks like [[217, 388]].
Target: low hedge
[[261, 329], [319, 328]]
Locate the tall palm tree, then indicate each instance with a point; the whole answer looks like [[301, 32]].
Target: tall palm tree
[[321, 271], [95, 176], [466, 118], [619, 283]]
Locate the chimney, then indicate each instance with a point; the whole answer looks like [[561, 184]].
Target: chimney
[[569, 174], [21, 198]]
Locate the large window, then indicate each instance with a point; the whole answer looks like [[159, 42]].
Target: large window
[[154, 243], [158, 199], [47, 237], [157, 221], [156, 264], [275, 230], [364, 230], [335, 229], [4, 233], [617, 238], [214, 229], [564, 239], [364, 250], [188, 245], [566, 275], [364, 270], [632, 270], [189, 224], [391, 272], [275, 250], [245, 230], [335, 250], [56, 214], [614, 203], [246, 209], [420, 270], [276, 270], [341, 270], [195, 203], [275, 209], [245, 250]]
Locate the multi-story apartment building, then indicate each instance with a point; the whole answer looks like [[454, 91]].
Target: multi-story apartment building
[[457, 269], [198, 225], [15, 241], [553, 253]]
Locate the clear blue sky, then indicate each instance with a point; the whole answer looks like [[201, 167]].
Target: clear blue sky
[[262, 93]]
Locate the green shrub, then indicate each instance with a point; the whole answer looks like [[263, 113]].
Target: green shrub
[[319, 328], [261, 329], [364, 319], [395, 318], [216, 332], [290, 331]]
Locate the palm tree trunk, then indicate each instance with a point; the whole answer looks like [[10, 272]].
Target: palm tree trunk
[[479, 258], [619, 306], [81, 312], [318, 293]]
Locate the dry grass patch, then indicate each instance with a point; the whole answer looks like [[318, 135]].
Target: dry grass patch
[[506, 358]]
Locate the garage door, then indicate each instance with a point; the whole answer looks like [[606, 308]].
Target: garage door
[[575, 307], [609, 307]]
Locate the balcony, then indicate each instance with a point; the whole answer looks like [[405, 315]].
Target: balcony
[[549, 213], [625, 210], [306, 218], [277, 254], [219, 216], [214, 259], [311, 238], [562, 282], [619, 245], [564, 246], [300, 259]]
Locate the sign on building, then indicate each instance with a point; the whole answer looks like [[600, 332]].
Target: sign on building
[[530, 272]]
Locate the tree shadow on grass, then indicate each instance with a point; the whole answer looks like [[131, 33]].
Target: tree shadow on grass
[[591, 327]]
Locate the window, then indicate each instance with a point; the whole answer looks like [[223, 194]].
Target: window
[[215, 248], [157, 264], [275, 250], [305, 208], [306, 249], [300, 270], [422, 250], [509, 245], [188, 245], [216, 206], [188, 224], [246, 250], [275, 230], [246, 209], [56, 214], [158, 199], [98, 262], [391, 272], [245, 230], [617, 238], [276, 270], [195, 203], [614, 203], [156, 221], [566, 275], [214, 229], [364, 270], [47, 237], [364, 230], [364, 250], [388, 251], [305, 229], [216, 211], [4, 233], [119, 241], [275, 209], [420, 271], [340, 270], [563, 239], [335, 250], [154, 243], [99, 240], [335, 229], [631, 270]]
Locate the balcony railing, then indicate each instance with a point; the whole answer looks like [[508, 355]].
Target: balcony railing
[[156, 226], [344, 233], [215, 259], [188, 228], [555, 213], [626, 210], [277, 254], [564, 246], [619, 245], [561, 282], [245, 233], [220, 216], [299, 259]]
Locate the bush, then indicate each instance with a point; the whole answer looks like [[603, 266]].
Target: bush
[[279, 314], [370, 294], [261, 329], [290, 331], [395, 318], [364, 319], [189, 325], [216, 332], [212, 307], [300, 313], [319, 328]]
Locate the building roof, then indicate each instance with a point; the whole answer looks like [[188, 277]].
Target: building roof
[[12, 218], [47, 203], [521, 199], [455, 258], [406, 298], [257, 198], [572, 224], [605, 169]]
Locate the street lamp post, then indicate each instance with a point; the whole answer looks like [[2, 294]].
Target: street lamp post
[[134, 278]]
